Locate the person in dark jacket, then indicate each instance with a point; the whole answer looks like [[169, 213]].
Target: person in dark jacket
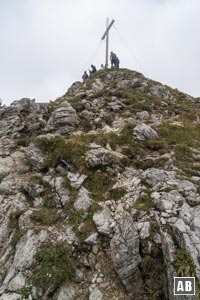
[[112, 59], [85, 76], [93, 70], [117, 63]]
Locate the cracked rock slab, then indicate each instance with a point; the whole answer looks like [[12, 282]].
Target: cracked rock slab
[[125, 254]]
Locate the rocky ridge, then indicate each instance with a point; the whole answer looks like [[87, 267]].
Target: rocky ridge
[[99, 192]]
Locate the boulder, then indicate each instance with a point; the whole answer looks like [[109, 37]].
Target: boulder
[[144, 132], [100, 156], [96, 295], [83, 200], [125, 254], [35, 157], [63, 120], [103, 220]]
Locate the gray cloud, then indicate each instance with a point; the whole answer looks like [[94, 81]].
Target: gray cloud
[[45, 44]]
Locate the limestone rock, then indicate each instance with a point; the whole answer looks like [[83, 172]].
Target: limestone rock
[[103, 220], [96, 295], [159, 177], [99, 156], [76, 179], [35, 157], [125, 253], [17, 283], [12, 296], [144, 230], [83, 200], [143, 115], [142, 132], [167, 201], [66, 292], [63, 120]]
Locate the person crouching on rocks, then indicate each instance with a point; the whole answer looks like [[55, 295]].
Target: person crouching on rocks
[[93, 70]]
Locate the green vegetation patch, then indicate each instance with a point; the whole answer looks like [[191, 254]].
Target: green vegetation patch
[[14, 226], [117, 193], [45, 216], [54, 265], [145, 202], [188, 133], [60, 150], [183, 264], [98, 183]]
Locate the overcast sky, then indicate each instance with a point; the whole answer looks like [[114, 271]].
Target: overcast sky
[[46, 44]]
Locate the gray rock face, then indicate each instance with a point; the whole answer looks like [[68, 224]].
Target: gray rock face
[[125, 254], [188, 240], [154, 177], [103, 220], [6, 146], [67, 292], [143, 115], [35, 211], [83, 200], [191, 217], [35, 157], [167, 201], [21, 115], [99, 156], [12, 296], [61, 194], [144, 132], [76, 179], [133, 83], [17, 283], [74, 88], [63, 120], [23, 259], [96, 295]]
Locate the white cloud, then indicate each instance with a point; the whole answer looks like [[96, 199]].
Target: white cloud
[[45, 44]]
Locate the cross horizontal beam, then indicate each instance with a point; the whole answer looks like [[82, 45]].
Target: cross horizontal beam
[[107, 30]]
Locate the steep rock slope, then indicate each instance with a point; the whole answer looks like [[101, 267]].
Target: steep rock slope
[[99, 192]]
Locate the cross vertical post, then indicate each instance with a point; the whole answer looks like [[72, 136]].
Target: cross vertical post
[[106, 35], [107, 43]]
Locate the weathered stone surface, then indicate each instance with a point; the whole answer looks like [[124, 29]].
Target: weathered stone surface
[[83, 200], [191, 217], [142, 132], [106, 105], [133, 83], [143, 115], [103, 220], [125, 253], [92, 239], [17, 283], [167, 201], [12, 296], [66, 292], [96, 295], [6, 146], [61, 194], [159, 177], [76, 179], [99, 156], [35, 157], [63, 120], [24, 255], [144, 230]]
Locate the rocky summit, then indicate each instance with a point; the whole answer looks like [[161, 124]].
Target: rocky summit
[[99, 192]]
